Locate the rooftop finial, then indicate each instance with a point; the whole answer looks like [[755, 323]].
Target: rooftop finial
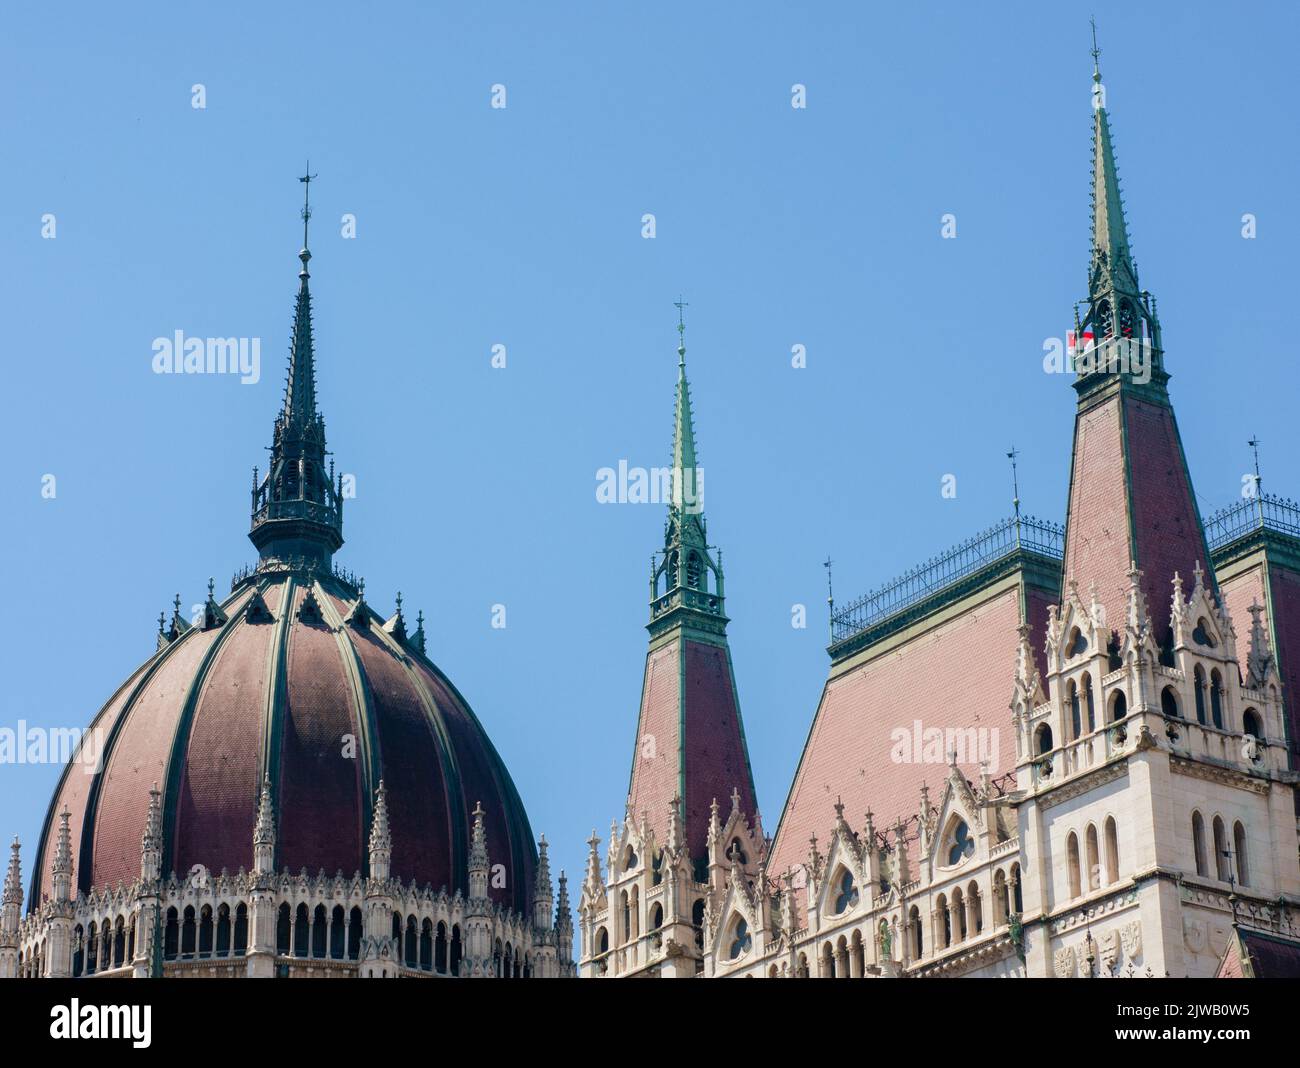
[[1096, 53], [306, 180], [680, 304], [1013, 455]]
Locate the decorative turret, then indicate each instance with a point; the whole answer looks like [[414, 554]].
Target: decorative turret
[[151, 838], [264, 833], [478, 857], [298, 506], [61, 868], [11, 906], [542, 898], [381, 839]]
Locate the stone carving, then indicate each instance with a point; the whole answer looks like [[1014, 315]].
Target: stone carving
[[1131, 933], [1193, 934], [1064, 962], [1110, 949]]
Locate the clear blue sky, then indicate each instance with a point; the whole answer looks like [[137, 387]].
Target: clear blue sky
[[522, 227]]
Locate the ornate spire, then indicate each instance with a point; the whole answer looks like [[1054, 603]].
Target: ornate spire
[[1259, 661], [13, 894], [478, 855], [688, 573], [1118, 307], [61, 869], [563, 911], [297, 507], [542, 889], [381, 839], [417, 639], [593, 881]]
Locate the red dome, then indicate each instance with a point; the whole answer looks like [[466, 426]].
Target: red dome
[[295, 679]]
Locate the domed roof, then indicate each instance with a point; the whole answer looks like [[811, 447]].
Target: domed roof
[[294, 680]]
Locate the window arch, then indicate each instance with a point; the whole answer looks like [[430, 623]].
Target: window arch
[[1201, 634], [1169, 703], [1216, 698], [1239, 847], [1089, 703], [1221, 866], [959, 931], [1015, 889], [1076, 724], [1112, 851], [1198, 844], [918, 935], [282, 931], [1077, 645], [223, 930], [1118, 706], [959, 844], [846, 896], [656, 916], [629, 859], [1251, 724], [1198, 686], [739, 941], [1001, 900], [1072, 861], [1094, 857], [241, 929], [945, 921], [1044, 739]]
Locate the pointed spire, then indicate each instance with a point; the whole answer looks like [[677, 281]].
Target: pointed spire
[[674, 836], [396, 626], [1111, 257], [297, 508], [381, 839], [264, 831], [478, 856], [563, 910], [418, 639], [61, 868], [592, 884], [688, 488], [1259, 661], [542, 916], [13, 893]]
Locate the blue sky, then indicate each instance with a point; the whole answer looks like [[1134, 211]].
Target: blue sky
[[522, 227]]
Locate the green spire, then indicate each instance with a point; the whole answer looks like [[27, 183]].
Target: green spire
[[1112, 261], [688, 479], [1117, 306], [687, 574]]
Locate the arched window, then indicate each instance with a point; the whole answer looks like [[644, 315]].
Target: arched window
[[1077, 645], [1221, 866], [801, 972], [411, 957], [693, 570], [959, 913], [1001, 902], [440, 949], [241, 929], [847, 894], [974, 908], [741, 941], [1089, 704], [354, 933], [657, 868], [454, 959], [1250, 724], [656, 917], [1015, 888], [915, 929], [629, 859], [1076, 725], [1112, 851], [187, 932], [735, 852], [319, 931], [302, 931], [1239, 846], [1198, 683], [945, 921], [1201, 634], [1216, 698], [78, 950], [282, 932], [1118, 706], [1044, 737], [602, 941], [697, 922], [223, 931], [1072, 860], [205, 931], [119, 941], [1169, 703], [1198, 844], [426, 945], [338, 933], [1094, 858], [828, 962]]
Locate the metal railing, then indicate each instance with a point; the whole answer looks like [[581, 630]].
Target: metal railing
[[1262, 512], [1010, 536]]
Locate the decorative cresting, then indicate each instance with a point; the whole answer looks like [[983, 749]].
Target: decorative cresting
[[298, 505], [686, 577]]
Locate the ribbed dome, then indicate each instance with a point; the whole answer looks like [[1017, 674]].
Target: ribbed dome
[[325, 700], [293, 679]]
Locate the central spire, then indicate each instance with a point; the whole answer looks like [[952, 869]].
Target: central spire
[[298, 507]]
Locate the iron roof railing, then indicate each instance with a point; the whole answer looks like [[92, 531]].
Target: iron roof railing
[[1010, 536], [1252, 513]]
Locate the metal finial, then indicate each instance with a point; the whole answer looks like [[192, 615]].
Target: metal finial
[[1015, 481], [306, 180], [1096, 53], [830, 595], [1254, 443], [680, 304]]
